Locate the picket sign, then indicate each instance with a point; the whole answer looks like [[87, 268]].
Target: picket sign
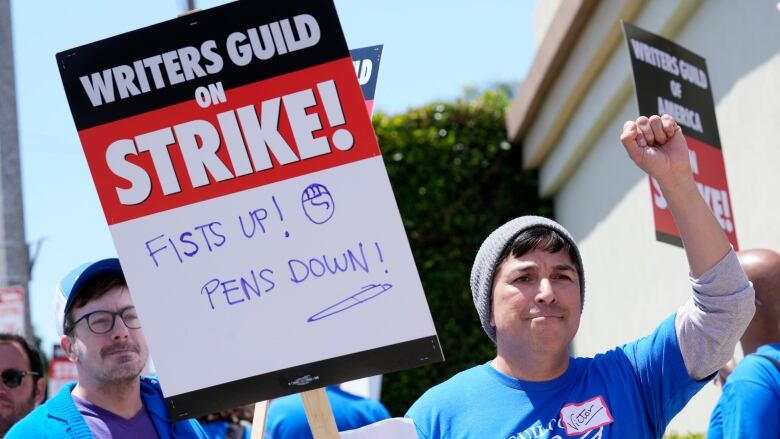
[[661, 67], [315, 402], [219, 176]]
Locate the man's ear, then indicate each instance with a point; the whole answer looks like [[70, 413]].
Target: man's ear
[[40, 390], [67, 345]]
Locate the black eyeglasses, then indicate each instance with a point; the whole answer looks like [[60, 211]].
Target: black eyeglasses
[[101, 322], [12, 378]]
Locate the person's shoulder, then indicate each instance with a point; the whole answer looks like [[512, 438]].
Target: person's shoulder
[[754, 366], [771, 350], [378, 409], [448, 391], [151, 381], [661, 338], [36, 424], [464, 377], [286, 403], [151, 392], [151, 389], [154, 402], [349, 402], [645, 351]]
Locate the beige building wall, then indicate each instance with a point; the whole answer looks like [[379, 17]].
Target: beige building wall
[[543, 15], [572, 138]]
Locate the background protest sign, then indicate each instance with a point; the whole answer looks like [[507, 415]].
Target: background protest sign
[[61, 371], [247, 198], [366, 61], [12, 310], [671, 79]]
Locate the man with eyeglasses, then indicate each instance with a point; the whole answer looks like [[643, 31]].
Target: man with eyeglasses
[[103, 336], [21, 373]]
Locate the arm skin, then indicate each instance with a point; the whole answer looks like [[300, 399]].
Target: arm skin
[[709, 325], [656, 144]]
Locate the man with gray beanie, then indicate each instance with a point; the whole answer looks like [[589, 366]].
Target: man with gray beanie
[[528, 286]]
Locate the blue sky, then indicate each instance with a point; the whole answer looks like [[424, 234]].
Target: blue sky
[[432, 50]]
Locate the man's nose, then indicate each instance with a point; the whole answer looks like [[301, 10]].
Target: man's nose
[[120, 330], [546, 293]]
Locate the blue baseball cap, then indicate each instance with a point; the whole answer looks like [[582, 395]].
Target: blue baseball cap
[[73, 284]]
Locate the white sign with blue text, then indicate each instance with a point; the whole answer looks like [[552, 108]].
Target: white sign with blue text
[[249, 204]]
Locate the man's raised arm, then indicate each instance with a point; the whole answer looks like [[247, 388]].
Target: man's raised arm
[[722, 304]]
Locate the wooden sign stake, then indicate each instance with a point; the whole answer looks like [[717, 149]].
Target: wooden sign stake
[[319, 414], [258, 420]]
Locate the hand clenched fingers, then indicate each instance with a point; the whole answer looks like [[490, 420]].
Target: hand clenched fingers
[[646, 132], [669, 125], [659, 135], [630, 139]]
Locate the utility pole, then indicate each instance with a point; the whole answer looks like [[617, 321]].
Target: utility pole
[[14, 257]]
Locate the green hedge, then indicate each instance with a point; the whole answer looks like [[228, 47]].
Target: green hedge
[[455, 178]]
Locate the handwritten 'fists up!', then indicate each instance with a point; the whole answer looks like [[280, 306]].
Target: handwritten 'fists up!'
[[657, 146]]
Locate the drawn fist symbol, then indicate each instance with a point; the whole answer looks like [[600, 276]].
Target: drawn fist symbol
[[317, 203]]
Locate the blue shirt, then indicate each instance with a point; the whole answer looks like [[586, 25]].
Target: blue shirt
[[220, 429], [632, 391], [750, 404], [287, 418], [59, 417], [106, 424]]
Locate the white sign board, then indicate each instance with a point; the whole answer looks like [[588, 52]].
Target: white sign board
[[249, 204]]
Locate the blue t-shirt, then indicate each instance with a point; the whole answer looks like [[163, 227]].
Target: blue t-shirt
[[220, 429], [750, 404], [287, 419], [105, 424], [632, 391]]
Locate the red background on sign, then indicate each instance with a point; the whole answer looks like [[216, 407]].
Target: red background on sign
[[712, 172], [97, 139]]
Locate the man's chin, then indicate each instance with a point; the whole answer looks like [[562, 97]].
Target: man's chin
[[126, 370], [124, 375]]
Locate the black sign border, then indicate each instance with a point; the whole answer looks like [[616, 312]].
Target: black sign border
[[392, 358]]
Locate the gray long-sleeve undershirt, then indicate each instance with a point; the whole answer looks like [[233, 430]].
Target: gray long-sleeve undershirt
[[711, 322]]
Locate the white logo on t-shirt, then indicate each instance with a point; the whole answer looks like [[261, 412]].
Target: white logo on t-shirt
[[580, 418]]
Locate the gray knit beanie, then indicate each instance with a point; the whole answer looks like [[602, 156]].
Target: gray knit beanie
[[487, 260]]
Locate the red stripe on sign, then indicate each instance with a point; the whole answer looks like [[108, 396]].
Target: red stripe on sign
[[257, 134], [710, 175]]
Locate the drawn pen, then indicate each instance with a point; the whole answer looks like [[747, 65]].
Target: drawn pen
[[367, 293]]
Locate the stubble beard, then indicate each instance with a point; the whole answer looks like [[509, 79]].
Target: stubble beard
[[17, 413], [125, 372]]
